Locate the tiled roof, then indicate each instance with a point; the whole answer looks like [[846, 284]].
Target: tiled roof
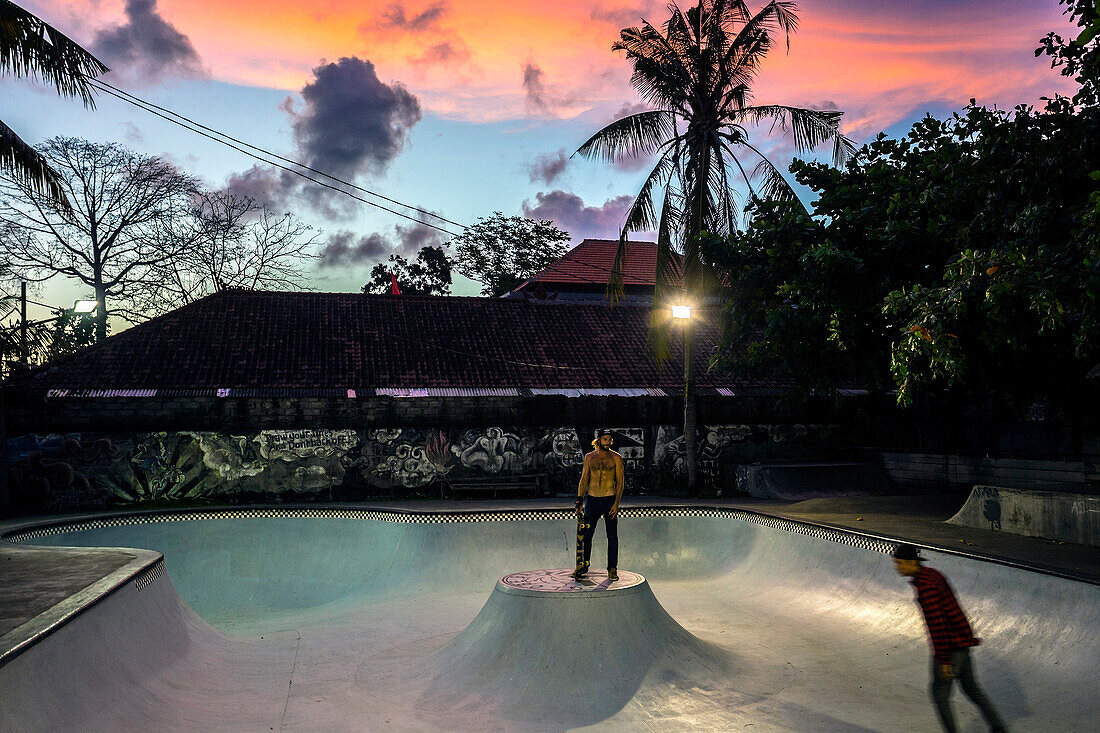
[[590, 263], [244, 340]]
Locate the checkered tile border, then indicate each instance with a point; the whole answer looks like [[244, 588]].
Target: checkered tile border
[[148, 575], [855, 539]]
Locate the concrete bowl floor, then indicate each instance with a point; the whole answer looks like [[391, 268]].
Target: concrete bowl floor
[[349, 625]]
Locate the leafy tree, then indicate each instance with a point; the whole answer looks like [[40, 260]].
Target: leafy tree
[[31, 47], [698, 76], [429, 274], [503, 251], [119, 230], [228, 241], [1080, 57], [955, 258]]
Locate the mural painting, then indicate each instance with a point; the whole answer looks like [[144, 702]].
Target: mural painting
[[76, 471]]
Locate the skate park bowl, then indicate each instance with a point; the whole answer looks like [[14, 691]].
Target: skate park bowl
[[340, 619]]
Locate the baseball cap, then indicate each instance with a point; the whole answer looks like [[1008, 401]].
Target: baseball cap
[[907, 552]]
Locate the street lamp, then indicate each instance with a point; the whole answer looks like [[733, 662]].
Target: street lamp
[[682, 313], [85, 306]]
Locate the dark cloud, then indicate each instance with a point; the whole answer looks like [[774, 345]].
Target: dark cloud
[[443, 53], [352, 123], [626, 16], [630, 108], [133, 134], [541, 99], [414, 237], [568, 212], [343, 248], [534, 88], [267, 186], [395, 16], [146, 48], [548, 168]]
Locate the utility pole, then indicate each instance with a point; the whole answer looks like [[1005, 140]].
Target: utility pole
[[23, 350]]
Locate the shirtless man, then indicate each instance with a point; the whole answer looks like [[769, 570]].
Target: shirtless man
[[602, 480]]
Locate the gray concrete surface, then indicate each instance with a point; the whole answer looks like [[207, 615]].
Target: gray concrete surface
[[1052, 515], [291, 624]]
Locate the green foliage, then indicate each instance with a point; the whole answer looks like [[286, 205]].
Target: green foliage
[[1078, 57], [502, 251], [69, 332], [429, 274], [955, 258]]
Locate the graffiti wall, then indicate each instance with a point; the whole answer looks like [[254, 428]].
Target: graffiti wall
[[84, 470]]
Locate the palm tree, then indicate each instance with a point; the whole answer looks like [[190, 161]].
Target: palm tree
[[697, 75], [31, 47]]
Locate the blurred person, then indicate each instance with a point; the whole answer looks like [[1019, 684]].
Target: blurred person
[[951, 639]]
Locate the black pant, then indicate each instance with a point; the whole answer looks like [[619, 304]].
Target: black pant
[[594, 508], [963, 670]]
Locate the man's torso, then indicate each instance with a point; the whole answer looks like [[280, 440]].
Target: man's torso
[[601, 472]]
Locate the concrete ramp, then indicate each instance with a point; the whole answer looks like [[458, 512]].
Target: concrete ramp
[[141, 660], [1053, 515]]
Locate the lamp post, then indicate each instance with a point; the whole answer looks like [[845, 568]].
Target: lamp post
[[682, 313]]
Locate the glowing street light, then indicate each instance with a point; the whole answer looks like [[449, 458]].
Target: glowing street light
[[85, 306], [682, 313]]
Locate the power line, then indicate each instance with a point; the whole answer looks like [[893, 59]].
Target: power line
[[200, 129]]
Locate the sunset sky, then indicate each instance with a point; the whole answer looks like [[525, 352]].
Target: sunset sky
[[465, 108]]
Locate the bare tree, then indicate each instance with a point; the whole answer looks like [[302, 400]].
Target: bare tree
[[120, 229], [231, 241]]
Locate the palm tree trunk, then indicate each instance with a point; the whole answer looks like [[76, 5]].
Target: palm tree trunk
[[689, 414]]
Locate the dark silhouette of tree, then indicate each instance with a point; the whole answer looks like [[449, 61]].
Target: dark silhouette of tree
[[119, 229], [502, 251], [428, 274], [228, 241]]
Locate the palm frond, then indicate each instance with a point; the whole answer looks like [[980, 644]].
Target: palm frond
[[641, 216], [808, 127], [28, 168], [615, 287], [630, 137], [30, 47], [657, 338], [773, 185]]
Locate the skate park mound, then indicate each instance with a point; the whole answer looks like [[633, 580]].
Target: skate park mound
[[548, 648]]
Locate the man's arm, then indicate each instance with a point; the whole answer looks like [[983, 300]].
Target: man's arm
[[620, 482], [582, 487]]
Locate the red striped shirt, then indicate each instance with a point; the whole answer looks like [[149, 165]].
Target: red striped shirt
[[947, 625]]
